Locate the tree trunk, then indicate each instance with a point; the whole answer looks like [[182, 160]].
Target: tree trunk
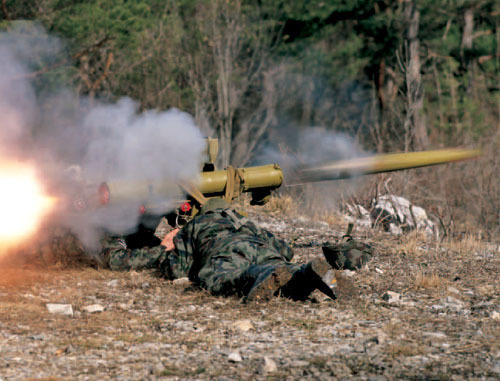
[[466, 47], [414, 79]]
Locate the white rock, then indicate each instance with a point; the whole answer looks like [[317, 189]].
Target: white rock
[[395, 229], [408, 303], [404, 213], [112, 283], [378, 270], [234, 357], [63, 309], [299, 363], [496, 368], [435, 335], [243, 325], [348, 273], [495, 315], [181, 281], [391, 297], [381, 337], [454, 301], [360, 215], [437, 307], [269, 365], [93, 308], [453, 290]]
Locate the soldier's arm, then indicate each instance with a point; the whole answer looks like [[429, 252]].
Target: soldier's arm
[[179, 261], [118, 257]]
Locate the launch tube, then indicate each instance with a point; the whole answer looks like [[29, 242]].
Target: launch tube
[[266, 178]]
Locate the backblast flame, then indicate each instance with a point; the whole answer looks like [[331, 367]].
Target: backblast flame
[[23, 203]]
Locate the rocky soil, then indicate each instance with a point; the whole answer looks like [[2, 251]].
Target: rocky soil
[[420, 309]]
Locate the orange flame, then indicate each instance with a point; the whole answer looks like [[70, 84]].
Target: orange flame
[[23, 203]]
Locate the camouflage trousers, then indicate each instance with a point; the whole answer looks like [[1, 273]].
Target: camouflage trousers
[[233, 269]]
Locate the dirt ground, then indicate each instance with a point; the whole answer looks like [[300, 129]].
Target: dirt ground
[[442, 323]]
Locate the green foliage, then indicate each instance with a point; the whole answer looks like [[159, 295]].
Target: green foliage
[[119, 20]]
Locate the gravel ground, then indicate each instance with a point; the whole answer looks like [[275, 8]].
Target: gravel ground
[[419, 310]]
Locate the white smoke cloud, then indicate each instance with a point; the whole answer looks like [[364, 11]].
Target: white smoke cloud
[[102, 141], [293, 147]]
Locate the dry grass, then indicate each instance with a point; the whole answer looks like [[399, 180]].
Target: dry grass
[[429, 281], [282, 204], [467, 244], [404, 349]]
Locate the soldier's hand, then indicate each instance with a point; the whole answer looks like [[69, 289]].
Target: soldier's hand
[[168, 240]]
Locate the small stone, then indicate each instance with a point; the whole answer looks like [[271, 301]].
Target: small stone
[[453, 304], [181, 281], [40, 337], [158, 369], [234, 357], [496, 368], [453, 290], [299, 364], [495, 315], [376, 377], [269, 365], [391, 297], [65, 350], [93, 308], [437, 307], [482, 305], [145, 285], [435, 335], [348, 273], [452, 300], [381, 337], [408, 303], [63, 309], [112, 283], [378, 270], [243, 325]]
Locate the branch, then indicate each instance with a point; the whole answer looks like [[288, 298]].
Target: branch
[[63, 61], [483, 59], [4, 10], [105, 73]]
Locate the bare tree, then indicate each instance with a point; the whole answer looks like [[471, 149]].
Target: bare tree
[[415, 119], [231, 80]]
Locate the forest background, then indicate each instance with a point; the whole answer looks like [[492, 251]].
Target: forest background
[[395, 75]]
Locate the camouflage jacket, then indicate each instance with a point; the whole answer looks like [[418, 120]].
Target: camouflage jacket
[[215, 231]]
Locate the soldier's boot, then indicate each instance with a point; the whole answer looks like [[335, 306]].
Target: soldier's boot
[[268, 281], [315, 275]]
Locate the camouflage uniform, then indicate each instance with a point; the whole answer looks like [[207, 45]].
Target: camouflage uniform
[[219, 250], [118, 256]]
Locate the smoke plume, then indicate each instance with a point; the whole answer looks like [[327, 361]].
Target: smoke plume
[[73, 141], [293, 147]]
